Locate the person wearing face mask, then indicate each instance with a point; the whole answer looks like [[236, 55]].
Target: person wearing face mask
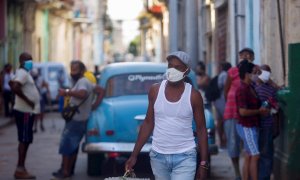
[[83, 91], [173, 104], [266, 92], [43, 88], [249, 111], [230, 115], [27, 105], [203, 81]]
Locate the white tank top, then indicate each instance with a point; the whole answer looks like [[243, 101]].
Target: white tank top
[[173, 123]]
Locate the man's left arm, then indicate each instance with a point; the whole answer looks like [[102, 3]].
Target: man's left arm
[[81, 92], [198, 111], [100, 94]]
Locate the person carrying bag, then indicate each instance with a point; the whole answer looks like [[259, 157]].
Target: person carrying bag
[[69, 110], [76, 116], [128, 175]]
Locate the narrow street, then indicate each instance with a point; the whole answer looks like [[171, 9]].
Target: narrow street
[[43, 157], [41, 39]]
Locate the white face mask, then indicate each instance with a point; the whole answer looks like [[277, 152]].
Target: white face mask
[[173, 75], [264, 76]]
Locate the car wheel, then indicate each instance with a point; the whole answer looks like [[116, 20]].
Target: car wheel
[[94, 164]]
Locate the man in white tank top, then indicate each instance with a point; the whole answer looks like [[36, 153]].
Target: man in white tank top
[[173, 105]]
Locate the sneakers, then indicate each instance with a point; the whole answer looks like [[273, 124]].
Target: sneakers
[[23, 175]]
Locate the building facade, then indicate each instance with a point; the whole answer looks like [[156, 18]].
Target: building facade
[[53, 30], [269, 27]]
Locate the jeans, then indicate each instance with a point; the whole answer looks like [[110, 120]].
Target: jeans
[[233, 139], [71, 137], [174, 166], [266, 149]]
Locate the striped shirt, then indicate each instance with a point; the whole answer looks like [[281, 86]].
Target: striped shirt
[[264, 92]]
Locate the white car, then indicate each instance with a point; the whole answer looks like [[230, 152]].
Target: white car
[[55, 75]]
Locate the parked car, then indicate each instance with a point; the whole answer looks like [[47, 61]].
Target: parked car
[[113, 127], [55, 75]]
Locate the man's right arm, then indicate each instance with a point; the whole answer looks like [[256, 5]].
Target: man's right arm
[[16, 88], [100, 92]]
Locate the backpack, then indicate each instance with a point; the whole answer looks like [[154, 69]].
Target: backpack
[[213, 92]]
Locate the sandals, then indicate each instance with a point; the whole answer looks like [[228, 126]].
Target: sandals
[[23, 175]]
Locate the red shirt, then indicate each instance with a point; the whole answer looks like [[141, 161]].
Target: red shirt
[[247, 98], [230, 111]]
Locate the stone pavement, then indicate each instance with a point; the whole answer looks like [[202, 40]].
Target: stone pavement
[[43, 157], [5, 121]]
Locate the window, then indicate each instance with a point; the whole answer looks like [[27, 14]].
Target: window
[[54, 73], [132, 84]]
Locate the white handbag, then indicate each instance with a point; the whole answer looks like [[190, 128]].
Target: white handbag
[[128, 175]]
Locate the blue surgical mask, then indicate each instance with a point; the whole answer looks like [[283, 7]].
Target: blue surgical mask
[[28, 65]]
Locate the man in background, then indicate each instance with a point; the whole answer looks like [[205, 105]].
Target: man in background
[[27, 104], [43, 88], [267, 94], [220, 102], [7, 94], [74, 130]]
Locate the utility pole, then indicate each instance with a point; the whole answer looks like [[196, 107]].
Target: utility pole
[[173, 32], [98, 32], [191, 25]]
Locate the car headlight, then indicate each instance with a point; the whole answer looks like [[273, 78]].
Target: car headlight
[[210, 133]]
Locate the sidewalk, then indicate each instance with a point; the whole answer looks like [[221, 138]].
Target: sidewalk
[[6, 121]]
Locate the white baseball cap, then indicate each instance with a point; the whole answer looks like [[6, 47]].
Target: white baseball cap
[[182, 56]]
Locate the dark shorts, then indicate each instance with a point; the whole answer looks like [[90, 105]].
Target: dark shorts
[[24, 122], [71, 137]]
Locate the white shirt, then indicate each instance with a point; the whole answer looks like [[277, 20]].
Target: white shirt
[[30, 91], [173, 131], [7, 78]]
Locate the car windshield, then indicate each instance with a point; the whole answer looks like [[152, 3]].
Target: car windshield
[[132, 84], [56, 73]]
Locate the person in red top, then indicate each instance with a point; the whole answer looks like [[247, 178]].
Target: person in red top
[[230, 113], [249, 111]]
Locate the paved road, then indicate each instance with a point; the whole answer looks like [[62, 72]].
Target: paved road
[[43, 157]]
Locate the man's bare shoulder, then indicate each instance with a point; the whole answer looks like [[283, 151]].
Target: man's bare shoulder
[[155, 85], [196, 96], [154, 89]]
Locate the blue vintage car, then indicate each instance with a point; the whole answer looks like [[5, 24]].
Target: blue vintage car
[[114, 126]]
